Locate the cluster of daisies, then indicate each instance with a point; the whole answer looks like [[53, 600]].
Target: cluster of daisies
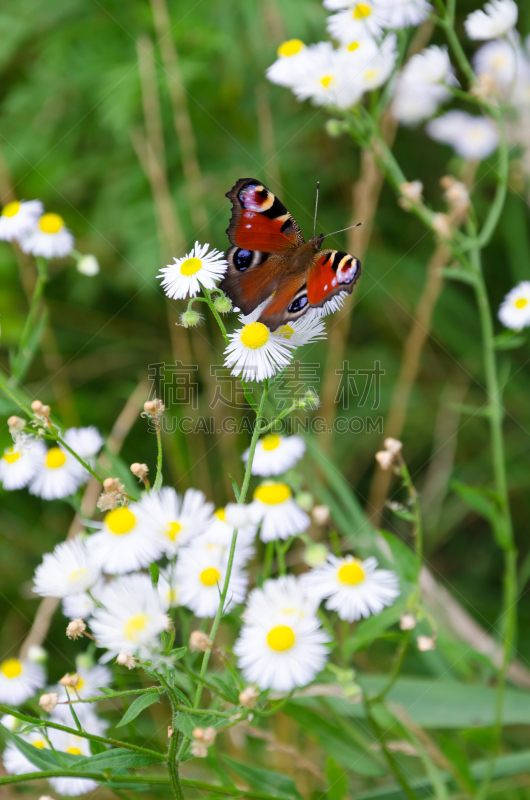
[[41, 233], [102, 576], [253, 352], [365, 58]]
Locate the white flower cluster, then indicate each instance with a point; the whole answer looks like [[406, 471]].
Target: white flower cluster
[[365, 58], [38, 233]]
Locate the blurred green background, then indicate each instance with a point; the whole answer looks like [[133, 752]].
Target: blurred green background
[[81, 85]]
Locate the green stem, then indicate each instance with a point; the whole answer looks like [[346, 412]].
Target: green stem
[[497, 206], [456, 47], [240, 500], [173, 748], [22, 360], [207, 294], [392, 763], [158, 480], [280, 555], [111, 695]]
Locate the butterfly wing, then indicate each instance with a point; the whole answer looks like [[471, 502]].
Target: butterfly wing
[[263, 235], [329, 273]]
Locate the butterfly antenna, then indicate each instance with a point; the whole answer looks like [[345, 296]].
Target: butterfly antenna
[[316, 209], [344, 229]]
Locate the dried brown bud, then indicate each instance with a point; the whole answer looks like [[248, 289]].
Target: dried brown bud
[[126, 660], [426, 643], [393, 446], [320, 515], [249, 696], [16, 424], [37, 406], [412, 191], [407, 622], [140, 470], [199, 641], [154, 407], [70, 680], [76, 628], [199, 749], [48, 701], [384, 459]]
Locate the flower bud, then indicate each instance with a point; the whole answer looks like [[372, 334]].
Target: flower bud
[[199, 641], [154, 407], [139, 470], [88, 265], [315, 555], [125, 660], [222, 304], [70, 680], [335, 127], [305, 500], [36, 406], [310, 400], [412, 191], [393, 446], [248, 697], [426, 643], [76, 628], [48, 701], [199, 749], [16, 424], [190, 318], [407, 622], [384, 459]]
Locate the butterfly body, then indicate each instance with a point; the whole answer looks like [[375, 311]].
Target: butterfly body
[[270, 259]]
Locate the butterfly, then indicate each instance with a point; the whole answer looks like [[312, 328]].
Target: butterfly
[[270, 260]]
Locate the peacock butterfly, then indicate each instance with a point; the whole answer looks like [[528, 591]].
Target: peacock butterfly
[[271, 259]]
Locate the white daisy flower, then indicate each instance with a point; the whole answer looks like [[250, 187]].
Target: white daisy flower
[[128, 538], [498, 18], [70, 569], [176, 520], [80, 605], [280, 647], [86, 442], [304, 330], [19, 680], [281, 596], [220, 532], [65, 742], [328, 78], [275, 454], [470, 137], [200, 574], [354, 588], [290, 64], [20, 463], [280, 515], [422, 85], [49, 238], [15, 762], [254, 353], [514, 311], [88, 265], [378, 69], [133, 617], [18, 217], [498, 59], [168, 590], [398, 14], [360, 21], [59, 473], [198, 267]]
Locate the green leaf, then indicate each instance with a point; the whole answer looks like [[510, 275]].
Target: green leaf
[[137, 706], [155, 574], [41, 758], [334, 739], [455, 754], [337, 781], [404, 558], [235, 487], [509, 340], [178, 653], [118, 758], [485, 502], [263, 779], [372, 628]]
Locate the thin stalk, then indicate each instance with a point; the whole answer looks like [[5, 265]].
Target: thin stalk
[[456, 47], [280, 555], [174, 746], [21, 363], [158, 480], [111, 696], [240, 500]]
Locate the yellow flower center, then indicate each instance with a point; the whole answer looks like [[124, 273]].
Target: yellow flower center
[[326, 80], [135, 626], [353, 46], [286, 331], [55, 458], [77, 575], [210, 576], [498, 61], [75, 751], [40, 744], [521, 302], [220, 513], [361, 11], [171, 596], [11, 209], [271, 442], [351, 573], [51, 223], [80, 683], [190, 266], [11, 668], [273, 494], [172, 530], [371, 73], [281, 638], [254, 335], [290, 48], [10, 456], [120, 521]]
